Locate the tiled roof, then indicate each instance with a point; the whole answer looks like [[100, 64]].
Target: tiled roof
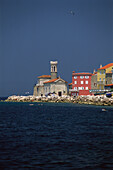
[[109, 85], [77, 74], [94, 73], [70, 84], [45, 76], [106, 66], [50, 81]]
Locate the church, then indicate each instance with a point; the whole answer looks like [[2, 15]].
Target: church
[[50, 84]]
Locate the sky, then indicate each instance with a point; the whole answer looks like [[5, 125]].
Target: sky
[[76, 33]]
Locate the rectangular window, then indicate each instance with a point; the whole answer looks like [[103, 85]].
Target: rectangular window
[[86, 82], [81, 77], [82, 82], [75, 88], [100, 79], [86, 77], [75, 82], [80, 88], [86, 88], [75, 77], [100, 72]]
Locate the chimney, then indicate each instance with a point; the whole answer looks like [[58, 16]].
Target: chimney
[[100, 65], [94, 71]]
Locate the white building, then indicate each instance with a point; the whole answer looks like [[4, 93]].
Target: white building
[[50, 84]]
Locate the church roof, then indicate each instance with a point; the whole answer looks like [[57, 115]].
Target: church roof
[[45, 76], [51, 81]]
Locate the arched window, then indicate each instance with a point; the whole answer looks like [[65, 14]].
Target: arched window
[[54, 68]]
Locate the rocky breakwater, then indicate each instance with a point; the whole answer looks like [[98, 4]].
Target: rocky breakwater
[[55, 99], [101, 100], [94, 100]]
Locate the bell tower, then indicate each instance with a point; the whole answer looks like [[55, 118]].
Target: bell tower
[[53, 69]]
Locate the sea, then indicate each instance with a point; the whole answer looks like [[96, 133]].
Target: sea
[[55, 136]]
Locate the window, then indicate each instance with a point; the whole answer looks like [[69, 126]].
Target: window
[[100, 79], [86, 88], [100, 72], [86, 82], [75, 77], [86, 77], [81, 77], [82, 82], [54, 68], [75, 88], [75, 82], [95, 84], [81, 88], [103, 79]]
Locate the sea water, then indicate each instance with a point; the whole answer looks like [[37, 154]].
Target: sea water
[[55, 136]]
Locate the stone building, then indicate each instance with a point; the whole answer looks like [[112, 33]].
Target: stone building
[[94, 81], [102, 74], [109, 78], [102, 79], [50, 84]]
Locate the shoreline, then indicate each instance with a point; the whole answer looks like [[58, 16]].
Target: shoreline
[[100, 100]]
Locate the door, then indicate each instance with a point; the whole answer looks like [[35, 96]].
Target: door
[[60, 93]]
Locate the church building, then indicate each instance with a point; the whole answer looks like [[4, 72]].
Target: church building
[[50, 84]]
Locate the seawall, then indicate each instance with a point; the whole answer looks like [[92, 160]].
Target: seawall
[[93, 100]]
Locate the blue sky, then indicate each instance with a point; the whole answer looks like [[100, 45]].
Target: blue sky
[[33, 32]]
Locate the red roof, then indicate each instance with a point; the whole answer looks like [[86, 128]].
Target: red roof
[[106, 66], [109, 85], [50, 81], [77, 74], [94, 73], [45, 76], [70, 84]]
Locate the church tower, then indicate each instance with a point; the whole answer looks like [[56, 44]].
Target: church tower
[[53, 69]]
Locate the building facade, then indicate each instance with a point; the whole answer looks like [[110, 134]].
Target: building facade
[[81, 83], [50, 84], [103, 75]]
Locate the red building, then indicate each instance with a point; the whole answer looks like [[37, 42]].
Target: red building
[[81, 83]]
